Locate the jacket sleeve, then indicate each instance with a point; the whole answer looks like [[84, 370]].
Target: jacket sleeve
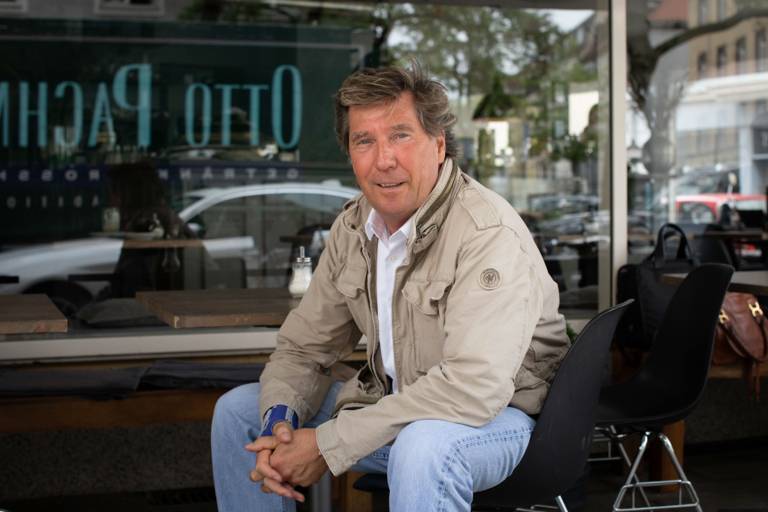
[[492, 310], [314, 336]]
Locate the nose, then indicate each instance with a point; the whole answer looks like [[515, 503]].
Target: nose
[[385, 158]]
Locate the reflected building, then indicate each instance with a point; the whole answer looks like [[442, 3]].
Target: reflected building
[[721, 121]]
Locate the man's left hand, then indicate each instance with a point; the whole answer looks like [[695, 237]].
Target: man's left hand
[[299, 462]]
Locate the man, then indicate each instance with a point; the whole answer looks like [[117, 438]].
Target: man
[[460, 316]]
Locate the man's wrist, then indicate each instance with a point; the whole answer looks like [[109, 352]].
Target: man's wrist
[[278, 414]]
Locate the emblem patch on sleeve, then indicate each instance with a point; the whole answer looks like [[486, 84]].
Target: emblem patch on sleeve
[[490, 279]]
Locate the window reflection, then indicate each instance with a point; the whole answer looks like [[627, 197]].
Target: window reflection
[[700, 134], [220, 115]]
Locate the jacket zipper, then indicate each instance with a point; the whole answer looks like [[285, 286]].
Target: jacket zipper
[[375, 316]]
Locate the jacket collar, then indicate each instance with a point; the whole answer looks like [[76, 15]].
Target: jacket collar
[[428, 218]]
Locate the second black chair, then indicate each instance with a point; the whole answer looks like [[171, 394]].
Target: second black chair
[[670, 383]]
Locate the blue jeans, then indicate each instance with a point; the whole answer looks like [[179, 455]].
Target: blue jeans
[[432, 465]]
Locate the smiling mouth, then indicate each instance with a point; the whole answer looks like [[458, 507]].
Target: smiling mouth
[[390, 185]]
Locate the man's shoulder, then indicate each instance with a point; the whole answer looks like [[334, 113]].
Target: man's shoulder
[[484, 207], [352, 215]]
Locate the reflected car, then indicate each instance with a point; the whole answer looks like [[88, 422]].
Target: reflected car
[[249, 234], [707, 208]]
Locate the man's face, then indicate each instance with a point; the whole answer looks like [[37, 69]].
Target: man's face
[[395, 161]]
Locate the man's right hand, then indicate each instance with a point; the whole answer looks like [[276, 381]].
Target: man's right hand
[[271, 480]]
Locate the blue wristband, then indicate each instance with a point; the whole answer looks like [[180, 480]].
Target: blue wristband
[[275, 415]]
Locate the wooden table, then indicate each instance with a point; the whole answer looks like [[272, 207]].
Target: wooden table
[[220, 308], [746, 235], [33, 313], [162, 243], [745, 281]]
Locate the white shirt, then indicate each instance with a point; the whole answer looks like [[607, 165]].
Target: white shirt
[[390, 254]]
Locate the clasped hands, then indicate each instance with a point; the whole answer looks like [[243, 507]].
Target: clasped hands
[[285, 459]]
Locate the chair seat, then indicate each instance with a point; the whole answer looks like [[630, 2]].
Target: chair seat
[[630, 404], [372, 482]]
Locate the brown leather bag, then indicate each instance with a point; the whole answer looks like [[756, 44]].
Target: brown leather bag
[[742, 336]]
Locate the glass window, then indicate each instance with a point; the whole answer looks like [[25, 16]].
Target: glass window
[[213, 120], [741, 55], [130, 7], [270, 224], [701, 65], [13, 6], [722, 59], [703, 12], [761, 50], [722, 9], [704, 141]]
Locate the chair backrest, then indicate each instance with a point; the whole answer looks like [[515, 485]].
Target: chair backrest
[[711, 249], [681, 352], [562, 438], [751, 218]]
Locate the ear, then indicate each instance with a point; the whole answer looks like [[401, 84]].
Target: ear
[[441, 148]]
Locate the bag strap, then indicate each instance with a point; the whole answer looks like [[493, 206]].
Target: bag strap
[[684, 251]]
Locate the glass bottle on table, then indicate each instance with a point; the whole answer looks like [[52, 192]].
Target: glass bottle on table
[[301, 274]]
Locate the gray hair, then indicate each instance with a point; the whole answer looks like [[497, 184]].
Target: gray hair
[[371, 86]]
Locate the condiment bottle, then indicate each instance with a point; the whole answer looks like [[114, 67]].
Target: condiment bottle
[[156, 227], [302, 274]]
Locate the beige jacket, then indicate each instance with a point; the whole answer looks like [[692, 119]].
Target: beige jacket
[[475, 324]]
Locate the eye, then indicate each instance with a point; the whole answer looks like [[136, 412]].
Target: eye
[[400, 135]]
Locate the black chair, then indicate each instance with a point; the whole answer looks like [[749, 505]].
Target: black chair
[[561, 441], [670, 383], [712, 249]]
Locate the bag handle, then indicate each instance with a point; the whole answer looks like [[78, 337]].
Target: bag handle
[[735, 343], [684, 251], [730, 336]]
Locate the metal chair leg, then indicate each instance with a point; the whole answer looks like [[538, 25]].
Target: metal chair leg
[[628, 462], [539, 508], [685, 482], [633, 484], [629, 483]]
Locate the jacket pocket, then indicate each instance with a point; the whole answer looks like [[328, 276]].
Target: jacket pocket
[[350, 281], [357, 392], [426, 297], [426, 329]]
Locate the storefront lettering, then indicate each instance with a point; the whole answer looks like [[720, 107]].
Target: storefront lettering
[[198, 107], [42, 202], [130, 91], [47, 175]]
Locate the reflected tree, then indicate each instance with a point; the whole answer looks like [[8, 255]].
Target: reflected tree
[[657, 95]]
